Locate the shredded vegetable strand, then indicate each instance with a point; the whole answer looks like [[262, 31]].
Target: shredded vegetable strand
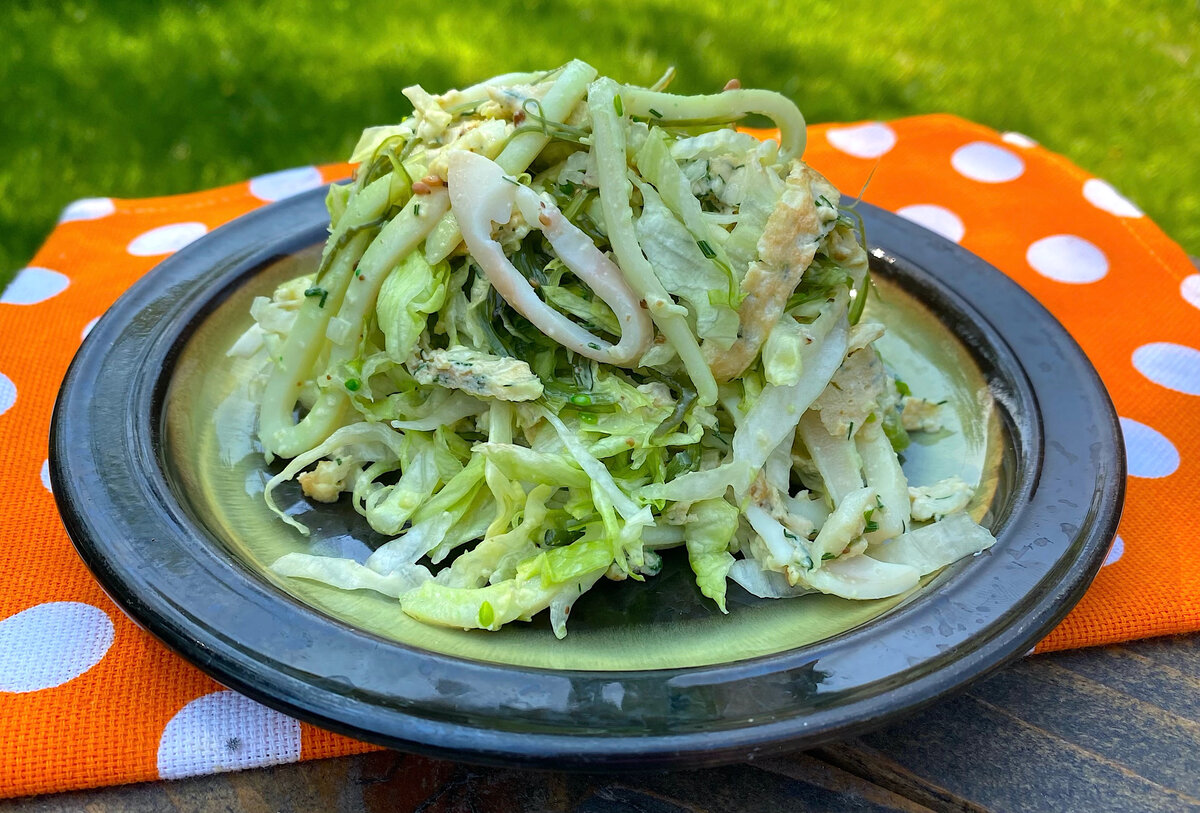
[[609, 135]]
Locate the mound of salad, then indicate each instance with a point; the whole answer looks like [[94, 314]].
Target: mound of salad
[[562, 324]]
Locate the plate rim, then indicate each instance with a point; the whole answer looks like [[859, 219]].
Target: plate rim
[[74, 457]]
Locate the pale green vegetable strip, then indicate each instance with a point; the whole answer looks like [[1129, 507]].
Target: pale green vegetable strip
[[708, 530], [489, 607], [608, 133], [415, 487], [405, 550], [777, 410], [683, 269], [730, 105], [304, 344], [456, 496], [836, 458], [522, 463], [758, 581], [408, 295], [655, 163], [935, 546], [399, 237], [843, 526], [476, 567], [600, 476], [861, 578], [883, 473], [347, 574]]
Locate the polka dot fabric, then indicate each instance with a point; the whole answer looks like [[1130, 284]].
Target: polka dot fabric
[[1123, 289], [87, 698]]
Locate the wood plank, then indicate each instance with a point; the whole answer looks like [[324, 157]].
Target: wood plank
[[877, 767], [1126, 730], [997, 760], [1178, 652], [1138, 675], [816, 769], [744, 789]]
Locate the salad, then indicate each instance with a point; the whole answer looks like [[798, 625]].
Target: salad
[[561, 324]]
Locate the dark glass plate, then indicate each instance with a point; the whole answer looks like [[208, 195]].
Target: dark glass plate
[[158, 478]]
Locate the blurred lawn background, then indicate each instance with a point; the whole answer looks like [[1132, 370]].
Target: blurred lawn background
[[128, 98]]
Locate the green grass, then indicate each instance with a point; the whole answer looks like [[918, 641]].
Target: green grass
[[131, 99]]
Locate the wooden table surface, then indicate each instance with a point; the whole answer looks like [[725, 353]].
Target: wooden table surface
[[1112, 728]]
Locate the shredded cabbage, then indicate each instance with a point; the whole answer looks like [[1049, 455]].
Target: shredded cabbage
[[561, 324]]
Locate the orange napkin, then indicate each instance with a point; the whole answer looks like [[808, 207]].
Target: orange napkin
[[87, 698]]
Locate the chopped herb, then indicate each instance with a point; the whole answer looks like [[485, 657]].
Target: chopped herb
[[618, 105], [417, 209], [655, 113], [825, 557], [902, 388], [943, 401], [559, 537], [870, 524], [593, 345], [353, 384], [514, 182], [850, 430], [858, 300], [706, 249], [486, 614], [824, 201], [321, 292]]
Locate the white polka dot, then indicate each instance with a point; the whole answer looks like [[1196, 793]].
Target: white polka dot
[[1102, 195], [987, 163], [1018, 139], [87, 209], [45, 472], [869, 140], [165, 239], [1147, 452], [1067, 258], [88, 328], [1174, 366], [8, 393], [1189, 289], [225, 731], [1115, 552], [285, 183], [32, 285], [49, 644], [938, 219]]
